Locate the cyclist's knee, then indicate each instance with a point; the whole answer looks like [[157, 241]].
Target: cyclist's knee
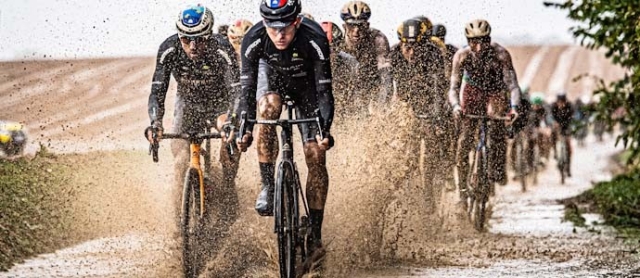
[[270, 106]]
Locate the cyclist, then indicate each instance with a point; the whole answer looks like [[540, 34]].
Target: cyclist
[[419, 72], [562, 113], [12, 138], [440, 32], [489, 77], [538, 118], [236, 33], [205, 68], [371, 49], [343, 67], [285, 55]]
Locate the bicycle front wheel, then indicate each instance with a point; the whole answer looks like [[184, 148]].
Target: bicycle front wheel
[[190, 223], [285, 216], [481, 192]]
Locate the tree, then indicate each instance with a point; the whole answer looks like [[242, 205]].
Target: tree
[[613, 25]]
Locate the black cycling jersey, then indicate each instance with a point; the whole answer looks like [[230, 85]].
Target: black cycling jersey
[[562, 116], [210, 82], [303, 68]]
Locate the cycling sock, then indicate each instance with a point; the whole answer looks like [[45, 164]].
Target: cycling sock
[[316, 216], [266, 173]]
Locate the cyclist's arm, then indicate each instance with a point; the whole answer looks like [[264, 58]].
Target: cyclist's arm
[[250, 50], [456, 77], [160, 82], [384, 66], [232, 75], [323, 79], [509, 75]]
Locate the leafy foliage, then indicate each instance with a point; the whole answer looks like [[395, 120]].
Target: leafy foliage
[[613, 25], [619, 200]]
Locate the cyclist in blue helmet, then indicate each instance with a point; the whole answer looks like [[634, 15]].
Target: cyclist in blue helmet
[[286, 56], [204, 66]]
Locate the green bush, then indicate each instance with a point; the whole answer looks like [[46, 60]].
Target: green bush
[[618, 200]]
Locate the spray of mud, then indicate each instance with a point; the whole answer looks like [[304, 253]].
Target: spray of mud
[[378, 211]]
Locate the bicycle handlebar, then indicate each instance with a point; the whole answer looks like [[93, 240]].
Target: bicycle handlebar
[[279, 122], [153, 147], [495, 118]]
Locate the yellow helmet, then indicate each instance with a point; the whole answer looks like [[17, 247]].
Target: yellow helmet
[[425, 20], [237, 31], [413, 30], [477, 28], [355, 12]]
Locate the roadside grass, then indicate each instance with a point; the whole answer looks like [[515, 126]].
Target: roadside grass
[[33, 219]]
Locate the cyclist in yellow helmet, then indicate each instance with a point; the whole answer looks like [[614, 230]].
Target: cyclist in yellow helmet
[[371, 49], [236, 33], [13, 138]]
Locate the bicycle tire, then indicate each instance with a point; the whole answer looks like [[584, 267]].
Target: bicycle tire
[[562, 160], [521, 170], [190, 224], [482, 192], [285, 213]]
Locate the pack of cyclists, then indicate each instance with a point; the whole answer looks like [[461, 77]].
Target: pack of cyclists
[[328, 70]]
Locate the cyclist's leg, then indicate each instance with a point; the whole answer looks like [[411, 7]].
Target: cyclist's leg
[[317, 185], [497, 106], [567, 139], [269, 108], [472, 103]]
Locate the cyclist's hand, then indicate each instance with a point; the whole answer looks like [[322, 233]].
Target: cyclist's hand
[[457, 111], [245, 142], [513, 114], [156, 128], [326, 143]]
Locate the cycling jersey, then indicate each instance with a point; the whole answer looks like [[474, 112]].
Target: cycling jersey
[[422, 84], [207, 84], [374, 69], [302, 71]]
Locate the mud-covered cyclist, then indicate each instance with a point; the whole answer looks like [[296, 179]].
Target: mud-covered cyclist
[[286, 56], [206, 70], [489, 78]]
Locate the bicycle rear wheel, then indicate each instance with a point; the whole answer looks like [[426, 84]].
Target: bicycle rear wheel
[[190, 223], [285, 216]]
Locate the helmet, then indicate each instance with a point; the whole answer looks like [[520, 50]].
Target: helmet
[[280, 13], [355, 12], [223, 29], [334, 34], [439, 31], [562, 96], [307, 15], [412, 30], [426, 21], [537, 98], [477, 28], [237, 31], [195, 21]]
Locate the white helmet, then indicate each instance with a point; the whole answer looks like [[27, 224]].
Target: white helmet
[[195, 21], [237, 30], [477, 28]]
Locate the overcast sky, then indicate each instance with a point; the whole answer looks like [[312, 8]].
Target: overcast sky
[[36, 29]]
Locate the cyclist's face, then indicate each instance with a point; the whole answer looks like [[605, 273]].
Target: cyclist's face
[[408, 51], [479, 45], [355, 31], [194, 46], [282, 37]]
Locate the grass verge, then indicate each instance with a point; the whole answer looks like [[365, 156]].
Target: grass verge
[[32, 213]]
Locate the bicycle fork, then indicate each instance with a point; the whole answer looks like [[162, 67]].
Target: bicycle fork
[[195, 164]]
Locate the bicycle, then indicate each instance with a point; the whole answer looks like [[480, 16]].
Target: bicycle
[[520, 159], [480, 183], [292, 229], [192, 216]]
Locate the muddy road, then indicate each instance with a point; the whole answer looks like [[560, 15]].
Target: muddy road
[[379, 223]]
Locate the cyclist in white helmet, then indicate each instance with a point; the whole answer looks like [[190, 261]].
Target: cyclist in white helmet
[[489, 79]]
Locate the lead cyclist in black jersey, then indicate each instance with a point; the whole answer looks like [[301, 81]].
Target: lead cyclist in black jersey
[[286, 56], [206, 69]]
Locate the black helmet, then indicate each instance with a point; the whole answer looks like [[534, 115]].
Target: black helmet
[[439, 31], [280, 13], [562, 96], [412, 30]]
